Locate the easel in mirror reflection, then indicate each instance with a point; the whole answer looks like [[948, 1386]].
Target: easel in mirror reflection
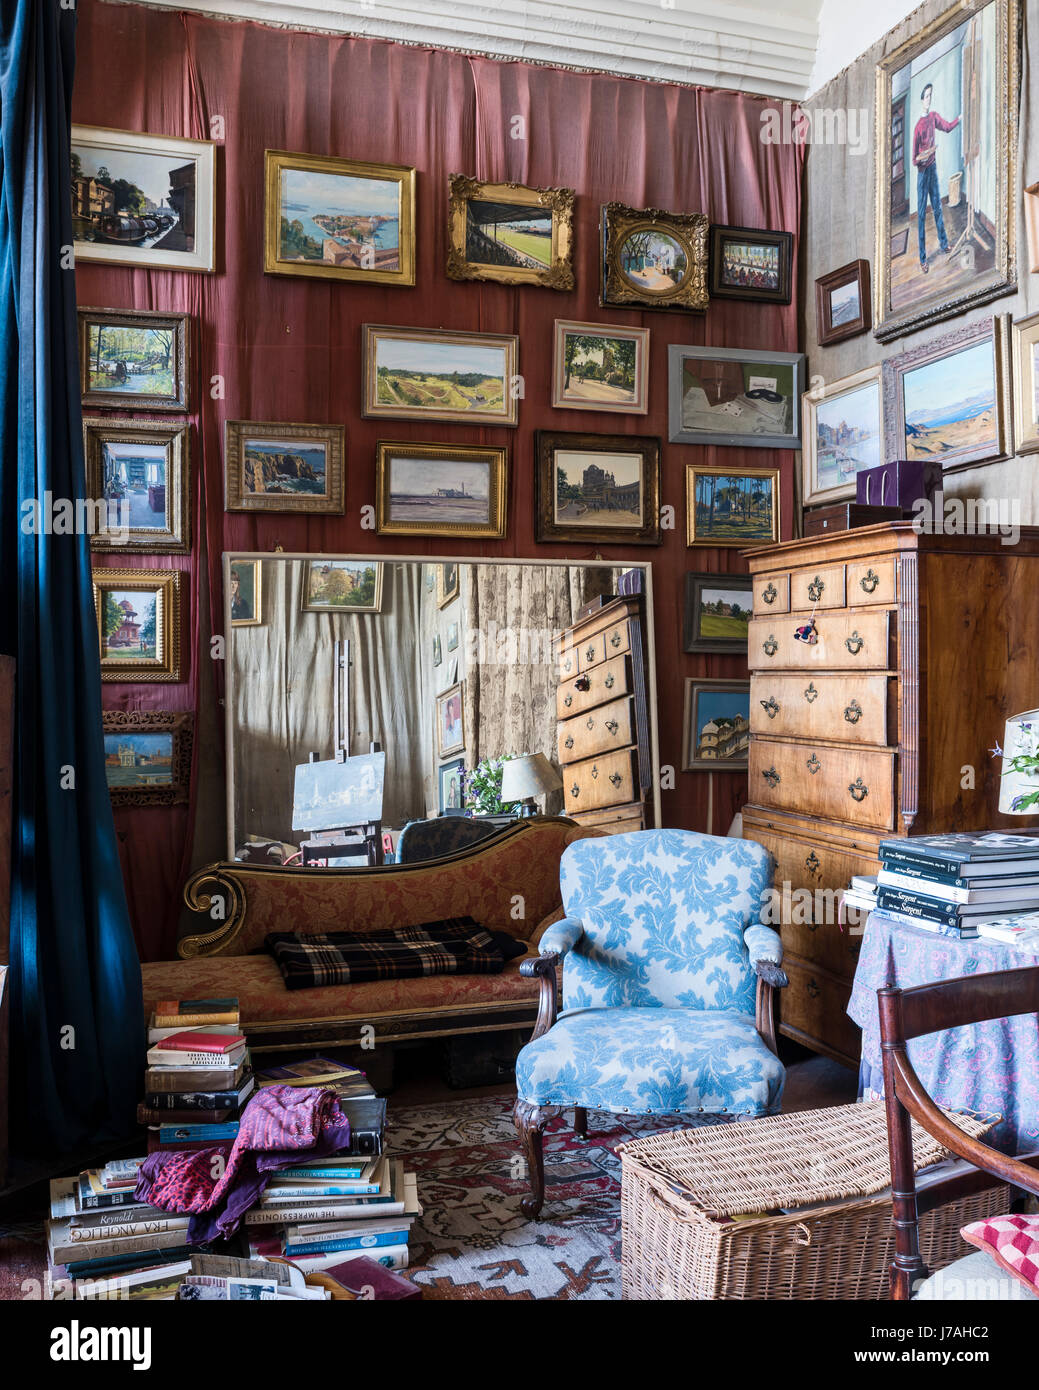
[[338, 803]]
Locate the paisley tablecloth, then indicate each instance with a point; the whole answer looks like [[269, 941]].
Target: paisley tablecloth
[[991, 1067]]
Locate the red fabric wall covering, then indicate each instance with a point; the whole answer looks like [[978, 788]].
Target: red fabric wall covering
[[289, 350]]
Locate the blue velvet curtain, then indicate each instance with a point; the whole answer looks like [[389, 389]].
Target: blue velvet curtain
[[77, 1038]]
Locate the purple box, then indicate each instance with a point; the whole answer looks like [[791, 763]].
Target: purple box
[[900, 483]]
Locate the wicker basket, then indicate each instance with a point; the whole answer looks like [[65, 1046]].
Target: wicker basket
[[839, 1249]]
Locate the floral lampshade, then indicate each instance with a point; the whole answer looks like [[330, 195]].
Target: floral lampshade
[[1019, 786]]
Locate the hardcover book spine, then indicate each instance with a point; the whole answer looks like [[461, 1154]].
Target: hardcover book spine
[[368, 1242], [914, 905], [191, 1100], [939, 928]]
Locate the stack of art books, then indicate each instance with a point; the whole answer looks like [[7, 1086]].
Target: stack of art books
[[199, 1075]]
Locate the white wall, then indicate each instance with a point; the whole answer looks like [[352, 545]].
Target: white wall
[[847, 29]]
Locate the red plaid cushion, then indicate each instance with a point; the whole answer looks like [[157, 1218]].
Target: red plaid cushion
[[1012, 1241]]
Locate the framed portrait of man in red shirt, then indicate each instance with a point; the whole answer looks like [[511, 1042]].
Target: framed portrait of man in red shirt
[[946, 137]]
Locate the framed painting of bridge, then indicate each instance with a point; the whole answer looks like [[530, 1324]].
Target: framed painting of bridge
[[435, 374], [653, 259], [143, 200], [147, 756], [339, 219], [441, 490], [133, 357], [510, 233]]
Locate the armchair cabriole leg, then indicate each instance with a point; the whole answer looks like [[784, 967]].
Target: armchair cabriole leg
[[530, 1121], [580, 1122]]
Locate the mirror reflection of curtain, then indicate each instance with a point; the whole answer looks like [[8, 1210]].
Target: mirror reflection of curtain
[[283, 691]]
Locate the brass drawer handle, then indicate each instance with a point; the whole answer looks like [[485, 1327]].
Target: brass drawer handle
[[612, 726], [815, 589], [616, 779], [813, 764], [569, 741], [853, 712], [590, 652], [812, 989], [855, 643], [811, 694], [770, 706], [583, 683], [771, 593], [610, 682], [812, 863], [859, 790], [575, 790], [772, 777], [770, 646], [616, 639], [869, 581]]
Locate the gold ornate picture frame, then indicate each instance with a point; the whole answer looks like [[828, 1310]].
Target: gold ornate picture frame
[[147, 756], [138, 624], [654, 259], [510, 233], [138, 471], [308, 233], [441, 490], [271, 467]]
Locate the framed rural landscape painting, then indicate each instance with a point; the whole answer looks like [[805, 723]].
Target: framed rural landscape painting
[[716, 731], [950, 398], [738, 507], [440, 490], [342, 586], [143, 200], [842, 434], [747, 263], [946, 217], [653, 259], [510, 233], [433, 374], [717, 613], [138, 624], [734, 396], [133, 358], [597, 487], [842, 303], [283, 467], [598, 366], [339, 219], [147, 756], [139, 470]]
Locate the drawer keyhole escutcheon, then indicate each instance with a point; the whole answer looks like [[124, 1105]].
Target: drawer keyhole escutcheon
[[770, 706], [612, 725], [813, 764], [812, 863], [569, 743], [853, 712], [595, 771], [812, 990], [771, 593], [591, 723], [815, 589], [616, 640], [771, 776], [590, 653], [609, 682], [569, 666], [869, 581], [568, 700], [770, 646], [616, 778], [811, 694], [575, 790], [855, 643], [859, 790]]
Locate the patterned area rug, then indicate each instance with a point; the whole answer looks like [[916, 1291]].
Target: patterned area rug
[[474, 1242]]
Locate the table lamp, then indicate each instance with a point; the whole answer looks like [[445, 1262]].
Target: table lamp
[[522, 779], [1019, 783]]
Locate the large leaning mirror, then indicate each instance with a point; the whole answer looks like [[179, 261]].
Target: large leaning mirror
[[368, 695]]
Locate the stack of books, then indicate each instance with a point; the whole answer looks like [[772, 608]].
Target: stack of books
[[358, 1202], [966, 885], [198, 1076]]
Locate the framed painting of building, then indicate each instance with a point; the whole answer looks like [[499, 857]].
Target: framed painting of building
[[716, 728], [843, 434], [147, 756], [342, 586], [138, 624], [510, 233], [597, 488], [946, 203]]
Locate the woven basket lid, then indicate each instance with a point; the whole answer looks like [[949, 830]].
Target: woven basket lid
[[783, 1161]]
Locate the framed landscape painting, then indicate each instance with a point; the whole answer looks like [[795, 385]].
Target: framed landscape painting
[[138, 469], [433, 374], [731, 507], [747, 263], [598, 366], [950, 398], [339, 219], [143, 200], [342, 586], [717, 613], [946, 217], [734, 396], [283, 468], [439, 489], [843, 434], [653, 259], [510, 233], [716, 733], [842, 303], [133, 358], [147, 757], [246, 593], [597, 487], [138, 624]]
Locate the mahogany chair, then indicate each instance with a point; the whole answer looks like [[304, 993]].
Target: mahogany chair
[[910, 1013]]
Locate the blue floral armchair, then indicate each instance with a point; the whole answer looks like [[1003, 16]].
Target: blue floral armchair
[[667, 987]]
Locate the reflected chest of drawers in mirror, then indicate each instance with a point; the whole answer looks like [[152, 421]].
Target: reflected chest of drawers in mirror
[[601, 704], [882, 726]]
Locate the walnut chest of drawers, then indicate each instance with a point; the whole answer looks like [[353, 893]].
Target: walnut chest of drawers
[[883, 726], [601, 705]]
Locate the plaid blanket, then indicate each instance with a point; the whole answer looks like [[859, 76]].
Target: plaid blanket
[[457, 946]]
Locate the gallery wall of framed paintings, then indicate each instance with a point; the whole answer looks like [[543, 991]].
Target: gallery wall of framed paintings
[[497, 285]]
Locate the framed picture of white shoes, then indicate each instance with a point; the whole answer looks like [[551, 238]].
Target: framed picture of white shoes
[[737, 396]]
